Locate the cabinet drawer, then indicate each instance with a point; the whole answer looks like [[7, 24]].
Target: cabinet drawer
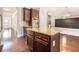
[[41, 46], [41, 41], [42, 36]]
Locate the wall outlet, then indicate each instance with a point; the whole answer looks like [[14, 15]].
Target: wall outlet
[[53, 43]]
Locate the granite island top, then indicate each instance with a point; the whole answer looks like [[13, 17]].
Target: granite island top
[[45, 31], [53, 31]]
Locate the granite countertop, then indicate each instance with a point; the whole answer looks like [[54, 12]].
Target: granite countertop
[[45, 31], [73, 32], [53, 31]]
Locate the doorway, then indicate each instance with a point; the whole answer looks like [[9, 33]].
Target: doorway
[[7, 31], [7, 26]]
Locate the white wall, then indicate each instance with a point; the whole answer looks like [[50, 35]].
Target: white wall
[[42, 18], [20, 22]]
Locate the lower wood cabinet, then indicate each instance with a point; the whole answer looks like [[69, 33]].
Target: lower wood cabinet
[[40, 45], [55, 43], [69, 43], [1, 46], [30, 42], [30, 38], [39, 42]]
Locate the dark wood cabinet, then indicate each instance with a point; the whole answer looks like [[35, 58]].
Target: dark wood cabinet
[[1, 46], [40, 46], [69, 43], [30, 37], [39, 42], [30, 16], [55, 43], [27, 17], [35, 14]]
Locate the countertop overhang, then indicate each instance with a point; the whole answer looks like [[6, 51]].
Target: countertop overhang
[[53, 31], [45, 31]]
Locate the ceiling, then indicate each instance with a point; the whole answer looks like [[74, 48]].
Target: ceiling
[[56, 11], [64, 11], [9, 9]]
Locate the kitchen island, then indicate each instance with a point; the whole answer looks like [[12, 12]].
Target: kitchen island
[[53, 40], [43, 40]]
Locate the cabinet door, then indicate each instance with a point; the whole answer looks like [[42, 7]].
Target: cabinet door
[[35, 47], [69, 43], [41, 46], [55, 43], [30, 42], [72, 43], [27, 17]]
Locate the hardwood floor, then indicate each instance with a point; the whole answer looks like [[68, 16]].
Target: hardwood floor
[[16, 45]]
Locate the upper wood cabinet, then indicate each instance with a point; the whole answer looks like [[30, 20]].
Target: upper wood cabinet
[[31, 17], [27, 17], [35, 18], [35, 14]]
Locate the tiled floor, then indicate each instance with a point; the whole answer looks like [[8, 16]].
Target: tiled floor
[[16, 45]]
